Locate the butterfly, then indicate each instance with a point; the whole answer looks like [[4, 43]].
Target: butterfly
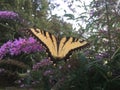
[[57, 49]]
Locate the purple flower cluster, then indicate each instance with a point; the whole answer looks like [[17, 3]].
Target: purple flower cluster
[[48, 72], [2, 70], [21, 83], [8, 15], [20, 45], [42, 63], [100, 56]]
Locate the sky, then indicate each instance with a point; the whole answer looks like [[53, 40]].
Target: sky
[[63, 7]]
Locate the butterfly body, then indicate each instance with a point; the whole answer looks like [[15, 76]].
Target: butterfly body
[[57, 49]]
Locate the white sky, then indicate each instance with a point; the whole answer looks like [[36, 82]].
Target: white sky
[[63, 6]]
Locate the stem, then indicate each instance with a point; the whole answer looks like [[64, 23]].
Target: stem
[[109, 31], [115, 53]]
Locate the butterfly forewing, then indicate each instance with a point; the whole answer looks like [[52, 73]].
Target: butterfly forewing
[[55, 45], [45, 38], [67, 46], [70, 45]]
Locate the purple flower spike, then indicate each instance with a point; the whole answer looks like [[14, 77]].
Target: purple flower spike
[[5, 49], [8, 15], [45, 62], [102, 55]]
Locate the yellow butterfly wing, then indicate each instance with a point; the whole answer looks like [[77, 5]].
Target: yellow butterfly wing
[[69, 44], [46, 39]]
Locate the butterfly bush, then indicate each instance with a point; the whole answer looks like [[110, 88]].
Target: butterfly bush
[[20, 45], [8, 15]]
